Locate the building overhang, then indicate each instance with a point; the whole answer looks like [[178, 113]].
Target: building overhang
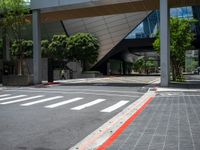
[[85, 8]]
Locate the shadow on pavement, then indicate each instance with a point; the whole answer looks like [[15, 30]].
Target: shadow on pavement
[[186, 85], [106, 84]]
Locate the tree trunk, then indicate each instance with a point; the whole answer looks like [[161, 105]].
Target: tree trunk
[[176, 70], [19, 67], [6, 53]]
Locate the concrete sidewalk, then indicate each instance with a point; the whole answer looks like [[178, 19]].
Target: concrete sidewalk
[[170, 122], [112, 80]]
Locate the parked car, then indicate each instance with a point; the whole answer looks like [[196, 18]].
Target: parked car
[[197, 70]]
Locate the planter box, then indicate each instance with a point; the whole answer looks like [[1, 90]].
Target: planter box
[[17, 80]]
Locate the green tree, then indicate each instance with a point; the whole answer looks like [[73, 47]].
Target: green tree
[[13, 16], [150, 64], [57, 48], [45, 49], [26, 50], [139, 65], [12, 20], [181, 39], [19, 53], [83, 47]]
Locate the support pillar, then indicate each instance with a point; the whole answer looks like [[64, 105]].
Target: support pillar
[[6, 46], [199, 57], [165, 43], [37, 72]]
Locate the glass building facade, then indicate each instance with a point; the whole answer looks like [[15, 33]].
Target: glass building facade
[[148, 28], [196, 15]]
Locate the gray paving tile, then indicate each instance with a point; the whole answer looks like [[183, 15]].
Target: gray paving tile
[[149, 131], [172, 132], [176, 124], [170, 148], [156, 147], [157, 139], [145, 140], [141, 147]]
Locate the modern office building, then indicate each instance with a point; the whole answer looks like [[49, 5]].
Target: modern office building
[[124, 27], [110, 21], [139, 41]]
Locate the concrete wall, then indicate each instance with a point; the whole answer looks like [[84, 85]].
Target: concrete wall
[[15, 80], [44, 67], [74, 66]]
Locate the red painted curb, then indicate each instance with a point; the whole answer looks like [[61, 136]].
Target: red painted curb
[[52, 83], [109, 142]]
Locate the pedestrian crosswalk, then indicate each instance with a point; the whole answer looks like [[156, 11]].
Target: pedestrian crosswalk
[[4, 95], [22, 100], [115, 106], [64, 102], [42, 101], [88, 104], [58, 101], [12, 97]]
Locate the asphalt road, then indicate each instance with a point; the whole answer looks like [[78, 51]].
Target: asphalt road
[[58, 117]]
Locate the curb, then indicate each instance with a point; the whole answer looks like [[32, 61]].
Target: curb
[[45, 85], [105, 135]]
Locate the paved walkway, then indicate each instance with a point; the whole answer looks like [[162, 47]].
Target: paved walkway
[[112, 80], [170, 122]]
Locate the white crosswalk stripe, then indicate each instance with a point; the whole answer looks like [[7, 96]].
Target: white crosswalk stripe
[[22, 100], [4, 95], [41, 101], [64, 102], [115, 106], [9, 99], [12, 97], [88, 104]]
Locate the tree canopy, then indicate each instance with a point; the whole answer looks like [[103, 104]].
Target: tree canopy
[[57, 48], [139, 65], [26, 50], [12, 21], [83, 47], [13, 16], [181, 37], [44, 48]]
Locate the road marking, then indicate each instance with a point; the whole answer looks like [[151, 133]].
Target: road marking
[[41, 101], [71, 92], [88, 104], [64, 102], [109, 131], [21, 100], [121, 129], [4, 95], [115, 106], [12, 97]]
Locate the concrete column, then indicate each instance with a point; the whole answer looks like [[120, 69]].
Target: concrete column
[[165, 43], [37, 72], [199, 57], [6, 46]]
